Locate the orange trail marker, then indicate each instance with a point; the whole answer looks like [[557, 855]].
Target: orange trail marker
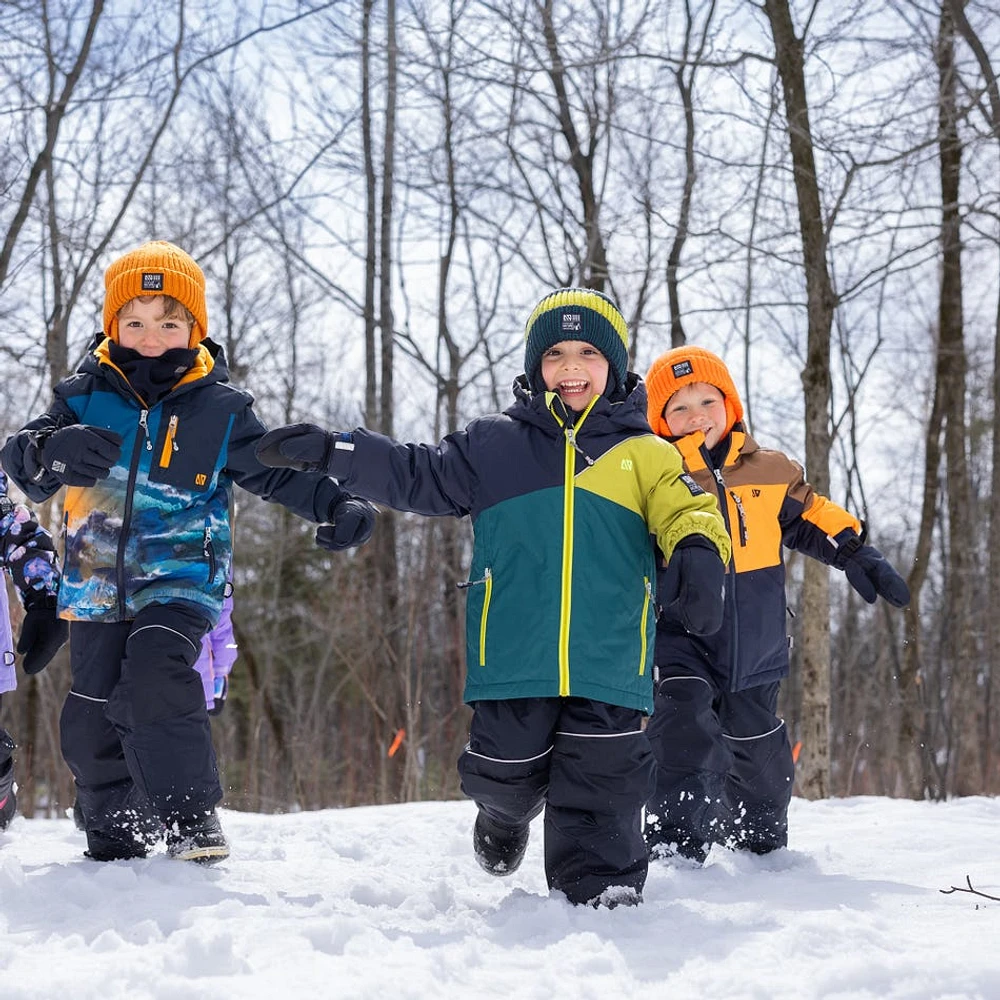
[[396, 743]]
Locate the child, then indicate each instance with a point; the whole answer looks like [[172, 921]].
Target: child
[[149, 436], [30, 560], [563, 489], [218, 654], [724, 765]]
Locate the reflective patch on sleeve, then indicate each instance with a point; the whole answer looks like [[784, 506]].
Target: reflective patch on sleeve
[[693, 488]]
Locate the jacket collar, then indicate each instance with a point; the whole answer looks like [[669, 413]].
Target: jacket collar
[[209, 365], [734, 446], [546, 409]]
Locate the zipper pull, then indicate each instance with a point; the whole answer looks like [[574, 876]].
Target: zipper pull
[[742, 516], [465, 584], [208, 540], [172, 432], [143, 416], [571, 437]]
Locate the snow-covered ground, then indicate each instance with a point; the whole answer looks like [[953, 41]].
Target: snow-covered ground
[[388, 903]]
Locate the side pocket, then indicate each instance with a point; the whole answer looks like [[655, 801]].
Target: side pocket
[[646, 601], [209, 550], [485, 581], [482, 621]]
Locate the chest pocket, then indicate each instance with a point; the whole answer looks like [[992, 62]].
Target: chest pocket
[[187, 450], [754, 528]]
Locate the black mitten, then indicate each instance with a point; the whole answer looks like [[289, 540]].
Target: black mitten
[[872, 575], [695, 585], [353, 523], [219, 694], [79, 455], [304, 447], [43, 634]]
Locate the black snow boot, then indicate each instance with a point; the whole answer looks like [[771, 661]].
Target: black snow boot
[[8, 800], [499, 849], [200, 840]]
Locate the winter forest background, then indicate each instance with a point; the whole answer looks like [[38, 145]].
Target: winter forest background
[[380, 190]]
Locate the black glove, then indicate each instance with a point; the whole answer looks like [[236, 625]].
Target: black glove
[[871, 575], [42, 635], [79, 455], [695, 585], [353, 523], [305, 447], [220, 692]]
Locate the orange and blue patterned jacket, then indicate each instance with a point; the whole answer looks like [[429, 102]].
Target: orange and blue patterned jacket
[[157, 529]]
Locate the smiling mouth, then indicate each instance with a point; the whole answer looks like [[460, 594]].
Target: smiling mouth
[[573, 387]]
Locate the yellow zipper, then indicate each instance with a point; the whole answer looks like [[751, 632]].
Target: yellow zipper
[[169, 445], [645, 618], [486, 610], [565, 609]]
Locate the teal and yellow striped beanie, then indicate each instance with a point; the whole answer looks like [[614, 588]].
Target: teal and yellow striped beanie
[[577, 314]]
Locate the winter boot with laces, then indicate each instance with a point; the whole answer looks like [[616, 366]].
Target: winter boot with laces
[[200, 840], [499, 849]]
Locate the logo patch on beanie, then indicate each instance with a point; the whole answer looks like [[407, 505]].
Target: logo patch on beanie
[[152, 281], [681, 369], [572, 322]]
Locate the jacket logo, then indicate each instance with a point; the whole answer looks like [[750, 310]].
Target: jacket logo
[[755, 493], [627, 464], [200, 479], [693, 488]]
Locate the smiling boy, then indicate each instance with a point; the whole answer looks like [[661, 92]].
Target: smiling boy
[[563, 489], [724, 760], [149, 437]]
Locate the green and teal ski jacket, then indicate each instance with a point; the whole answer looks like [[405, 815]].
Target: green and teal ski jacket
[[561, 587]]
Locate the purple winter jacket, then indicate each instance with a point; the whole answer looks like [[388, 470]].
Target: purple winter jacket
[[28, 555], [218, 652]]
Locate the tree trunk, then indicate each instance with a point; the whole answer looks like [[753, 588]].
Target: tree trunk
[[952, 371], [992, 658], [814, 762]]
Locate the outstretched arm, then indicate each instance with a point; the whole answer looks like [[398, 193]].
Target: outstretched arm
[[421, 478]]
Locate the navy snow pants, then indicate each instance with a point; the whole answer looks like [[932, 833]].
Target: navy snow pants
[[134, 728], [587, 764], [724, 766]]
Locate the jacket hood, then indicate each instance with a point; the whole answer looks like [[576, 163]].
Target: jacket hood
[[627, 413]]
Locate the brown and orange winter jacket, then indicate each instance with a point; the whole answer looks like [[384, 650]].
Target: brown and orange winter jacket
[[766, 504]]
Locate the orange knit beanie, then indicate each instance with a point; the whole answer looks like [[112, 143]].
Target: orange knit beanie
[[683, 366], [157, 268]]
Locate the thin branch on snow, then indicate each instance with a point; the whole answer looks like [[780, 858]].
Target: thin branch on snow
[[975, 892]]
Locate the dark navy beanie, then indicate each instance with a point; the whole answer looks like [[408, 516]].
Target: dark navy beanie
[[577, 314]]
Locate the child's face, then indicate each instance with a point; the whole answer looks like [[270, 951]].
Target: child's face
[[143, 327], [697, 407], [576, 370]]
